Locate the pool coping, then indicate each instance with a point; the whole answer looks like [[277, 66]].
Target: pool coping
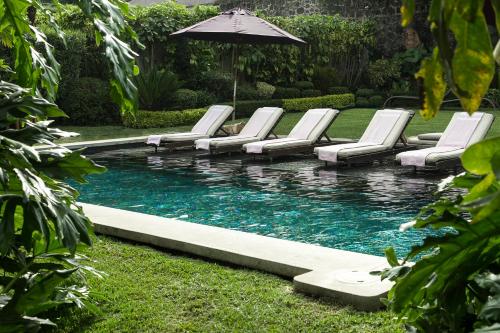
[[315, 270], [96, 146]]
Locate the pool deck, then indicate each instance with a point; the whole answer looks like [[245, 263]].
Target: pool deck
[[341, 275]]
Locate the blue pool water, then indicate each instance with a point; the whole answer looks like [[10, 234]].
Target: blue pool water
[[356, 209]]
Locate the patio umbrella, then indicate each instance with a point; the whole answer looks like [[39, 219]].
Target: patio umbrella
[[238, 26]]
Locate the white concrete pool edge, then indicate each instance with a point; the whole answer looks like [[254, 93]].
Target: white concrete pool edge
[[341, 275]]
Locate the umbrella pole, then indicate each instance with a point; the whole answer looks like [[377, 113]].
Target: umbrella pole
[[235, 70]]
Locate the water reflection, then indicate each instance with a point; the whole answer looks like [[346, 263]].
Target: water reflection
[[358, 209]]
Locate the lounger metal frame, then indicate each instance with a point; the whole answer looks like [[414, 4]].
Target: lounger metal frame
[[305, 149], [371, 157], [237, 147]]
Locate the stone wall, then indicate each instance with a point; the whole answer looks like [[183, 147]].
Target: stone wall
[[385, 13]]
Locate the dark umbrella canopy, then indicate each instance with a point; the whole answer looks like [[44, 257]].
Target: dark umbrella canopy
[[238, 26]]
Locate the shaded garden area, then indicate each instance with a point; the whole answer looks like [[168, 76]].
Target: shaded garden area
[[341, 57]]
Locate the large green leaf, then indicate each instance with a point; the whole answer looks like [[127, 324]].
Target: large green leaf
[[477, 159], [473, 64], [446, 270]]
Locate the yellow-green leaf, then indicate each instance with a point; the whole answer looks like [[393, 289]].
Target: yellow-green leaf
[[473, 64], [431, 72], [407, 11]]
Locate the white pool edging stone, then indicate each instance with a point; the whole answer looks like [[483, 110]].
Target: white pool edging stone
[[105, 144], [316, 270]]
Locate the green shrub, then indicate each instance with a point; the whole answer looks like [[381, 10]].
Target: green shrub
[[246, 92], [69, 57], [205, 98], [400, 88], [89, 103], [410, 60], [282, 92], [304, 85], [328, 101], [311, 93], [362, 102], [185, 99], [365, 92], [156, 88], [382, 72], [338, 90], [494, 96], [376, 101], [247, 108], [265, 90], [324, 77], [153, 119], [218, 83]]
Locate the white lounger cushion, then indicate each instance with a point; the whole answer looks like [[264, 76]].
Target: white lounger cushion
[[307, 131], [206, 127], [382, 133], [261, 122], [430, 136], [422, 156], [212, 120], [206, 144], [258, 147], [462, 131], [256, 129], [312, 124]]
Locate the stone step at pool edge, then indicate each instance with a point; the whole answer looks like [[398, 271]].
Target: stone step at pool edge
[[341, 275]]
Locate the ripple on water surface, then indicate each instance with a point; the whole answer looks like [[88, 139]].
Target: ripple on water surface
[[356, 209]]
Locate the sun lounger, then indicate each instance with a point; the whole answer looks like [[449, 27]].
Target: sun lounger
[[306, 133], [208, 126], [425, 140], [378, 140], [258, 128], [462, 131]]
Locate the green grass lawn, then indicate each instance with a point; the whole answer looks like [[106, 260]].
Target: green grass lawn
[[350, 124], [148, 290]]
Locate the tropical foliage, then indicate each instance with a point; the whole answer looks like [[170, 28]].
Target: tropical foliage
[[467, 69], [454, 285], [41, 225], [332, 41]]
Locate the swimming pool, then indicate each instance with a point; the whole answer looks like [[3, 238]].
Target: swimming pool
[[357, 209]]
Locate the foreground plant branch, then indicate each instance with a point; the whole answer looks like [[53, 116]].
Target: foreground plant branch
[[454, 285], [41, 225]]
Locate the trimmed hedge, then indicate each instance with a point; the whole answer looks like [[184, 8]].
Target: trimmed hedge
[[152, 119], [365, 92], [328, 101], [311, 93], [247, 108], [376, 100]]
